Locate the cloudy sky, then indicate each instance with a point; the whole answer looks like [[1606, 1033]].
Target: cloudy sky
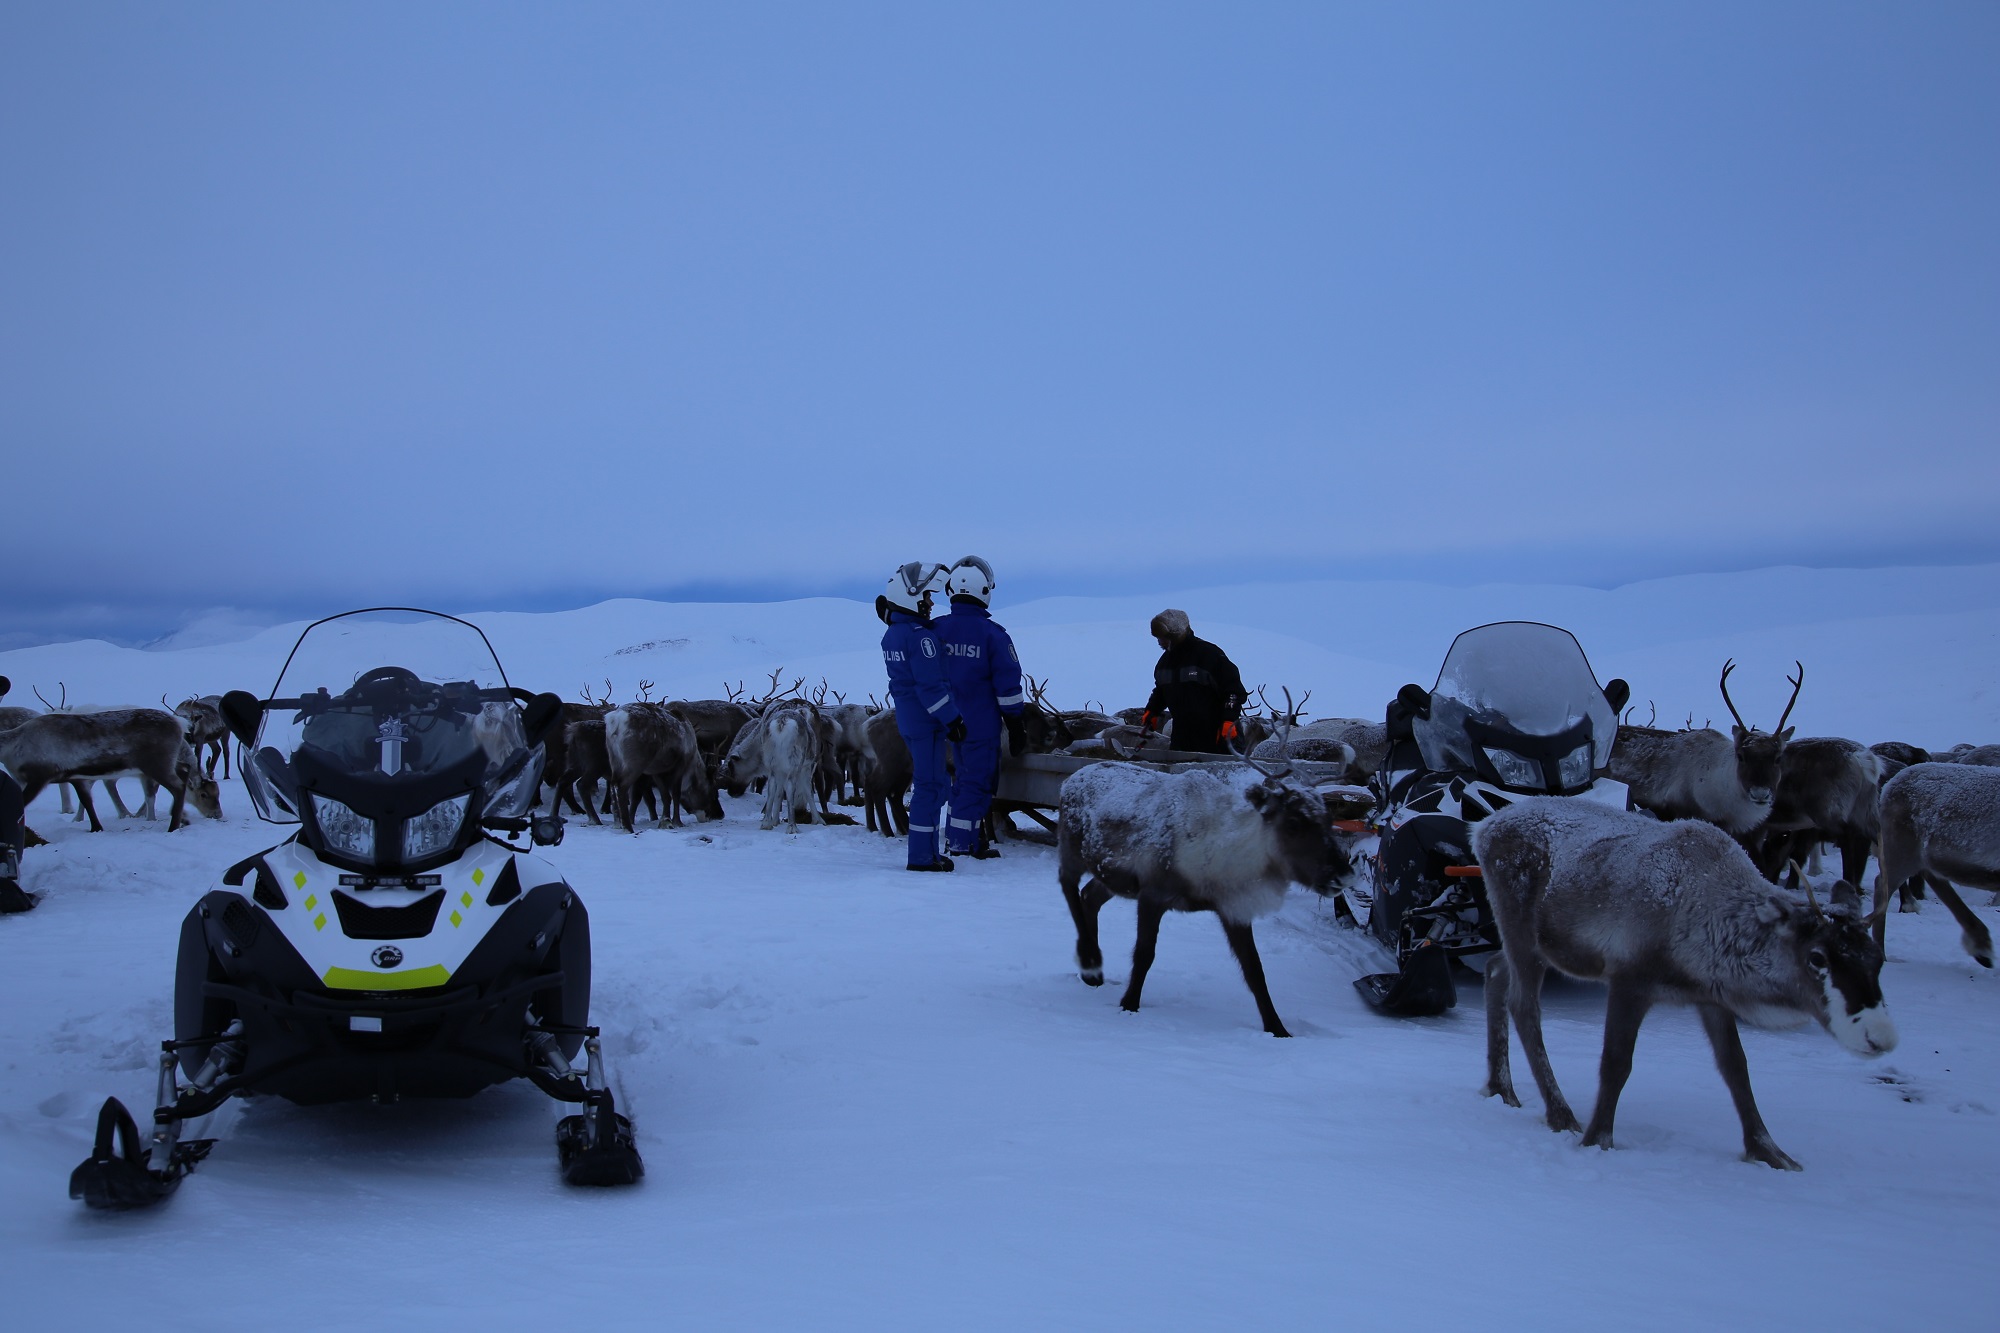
[[529, 305]]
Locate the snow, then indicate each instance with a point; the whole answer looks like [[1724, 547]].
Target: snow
[[874, 1099]]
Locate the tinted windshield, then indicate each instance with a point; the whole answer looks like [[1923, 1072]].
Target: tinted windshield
[[390, 694], [1517, 674]]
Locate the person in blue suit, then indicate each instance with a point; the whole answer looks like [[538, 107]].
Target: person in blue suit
[[985, 675], [926, 715]]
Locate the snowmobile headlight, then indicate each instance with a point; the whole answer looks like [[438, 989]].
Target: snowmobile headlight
[[435, 829], [345, 831], [1576, 768], [1514, 770]]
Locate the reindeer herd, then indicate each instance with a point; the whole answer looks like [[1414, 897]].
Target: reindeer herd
[[1653, 903]]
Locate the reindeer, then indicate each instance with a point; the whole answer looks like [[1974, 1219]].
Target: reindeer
[[1941, 822], [1042, 724], [206, 731], [646, 741], [1670, 912], [1226, 842], [781, 749], [886, 772], [587, 761], [1826, 793], [1701, 774], [77, 747]]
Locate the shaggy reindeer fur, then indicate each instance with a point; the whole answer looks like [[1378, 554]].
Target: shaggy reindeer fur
[[782, 748], [1826, 793], [76, 747], [1662, 911], [1727, 781], [645, 741], [886, 772], [1942, 822], [1195, 841]]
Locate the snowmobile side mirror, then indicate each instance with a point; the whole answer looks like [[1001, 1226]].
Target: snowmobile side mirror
[[1617, 694], [542, 713], [5, 685], [1416, 699], [242, 713]]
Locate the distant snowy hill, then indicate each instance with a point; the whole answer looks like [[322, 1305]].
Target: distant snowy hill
[[1889, 654]]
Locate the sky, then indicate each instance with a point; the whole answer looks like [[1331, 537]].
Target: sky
[[524, 306]]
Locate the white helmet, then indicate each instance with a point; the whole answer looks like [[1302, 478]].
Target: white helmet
[[907, 586], [971, 577]]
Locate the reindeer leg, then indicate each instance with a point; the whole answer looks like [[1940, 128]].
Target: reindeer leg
[[1623, 1014], [177, 813], [1150, 913], [1978, 941], [1854, 850], [1524, 1002], [1722, 1035], [89, 807], [1499, 1077], [117, 801], [1243, 944], [1083, 908], [150, 790]]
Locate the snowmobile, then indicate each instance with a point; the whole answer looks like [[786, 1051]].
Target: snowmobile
[[398, 944], [1516, 712]]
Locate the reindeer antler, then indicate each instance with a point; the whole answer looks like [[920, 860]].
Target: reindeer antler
[[1797, 685], [818, 695], [62, 707], [734, 692], [1728, 667], [645, 691]]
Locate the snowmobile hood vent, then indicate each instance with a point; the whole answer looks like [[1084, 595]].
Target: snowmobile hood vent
[[359, 921]]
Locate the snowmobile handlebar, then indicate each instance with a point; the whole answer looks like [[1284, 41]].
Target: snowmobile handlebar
[[243, 712]]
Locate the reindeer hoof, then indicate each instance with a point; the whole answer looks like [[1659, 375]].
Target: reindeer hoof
[[1597, 1139], [1092, 976], [1563, 1122], [1502, 1091], [1278, 1031], [1770, 1155], [1129, 1006]]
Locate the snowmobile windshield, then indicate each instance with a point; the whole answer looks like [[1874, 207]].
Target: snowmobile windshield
[[398, 700], [1518, 693]]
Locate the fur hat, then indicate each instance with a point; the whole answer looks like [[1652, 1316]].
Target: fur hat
[[1171, 625]]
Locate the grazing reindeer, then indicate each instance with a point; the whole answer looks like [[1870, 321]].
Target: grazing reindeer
[[1662, 912], [77, 747], [206, 731], [1942, 822], [781, 749], [645, 741], [1194, 841], [1701, 774]]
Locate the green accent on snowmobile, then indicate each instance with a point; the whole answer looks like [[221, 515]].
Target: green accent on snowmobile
[[348, 978]]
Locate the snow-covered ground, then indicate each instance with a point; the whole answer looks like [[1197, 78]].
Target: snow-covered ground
[[871, 1099]]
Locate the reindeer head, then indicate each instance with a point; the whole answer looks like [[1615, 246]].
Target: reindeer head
[[1760, 755], [1044, 726], [1295, 820], [1835, 947]]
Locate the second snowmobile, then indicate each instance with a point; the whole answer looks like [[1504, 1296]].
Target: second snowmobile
[[1516, 711], [394, 946]]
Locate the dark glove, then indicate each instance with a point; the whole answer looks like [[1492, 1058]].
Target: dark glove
[[954, 731], [1017, 733], [1227, 731], [1149, 721]]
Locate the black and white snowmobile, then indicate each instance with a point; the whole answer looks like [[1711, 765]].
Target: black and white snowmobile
[[1516, 712], [393, 946]]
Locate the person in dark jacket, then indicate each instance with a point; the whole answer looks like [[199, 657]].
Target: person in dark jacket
[[13, 835], [925, 713], [985, 675], [1196, 685]]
